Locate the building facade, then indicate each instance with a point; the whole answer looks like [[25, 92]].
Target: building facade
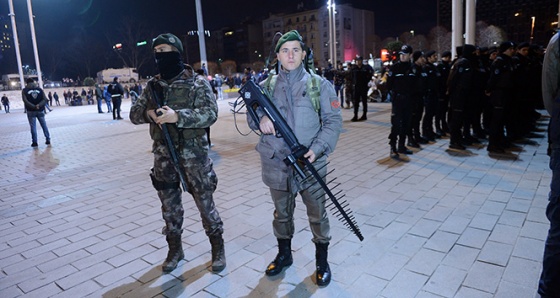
[[355, 30], [7, 50]]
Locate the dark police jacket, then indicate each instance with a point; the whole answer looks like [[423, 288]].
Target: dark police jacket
[[500, 83], [400, 79]]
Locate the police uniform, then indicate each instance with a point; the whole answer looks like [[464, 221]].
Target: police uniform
[[461, 93], [500, 86], [430, 98], [400, 80], [191, 97], [441, 124]]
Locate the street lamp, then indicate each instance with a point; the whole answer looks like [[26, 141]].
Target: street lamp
[[34, 39], [532, 27], [331, 9], [16, 43]]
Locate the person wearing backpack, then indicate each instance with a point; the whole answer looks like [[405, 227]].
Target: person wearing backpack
[[314, 115]]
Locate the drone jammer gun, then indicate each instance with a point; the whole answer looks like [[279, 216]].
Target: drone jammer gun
[[254, 97]]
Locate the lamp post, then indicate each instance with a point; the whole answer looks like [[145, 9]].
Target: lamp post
[[532, 28], [34, 39], [331, 9], [201, 41], [16, 44]]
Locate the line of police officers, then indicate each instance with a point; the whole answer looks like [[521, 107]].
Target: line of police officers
[[492, 92]]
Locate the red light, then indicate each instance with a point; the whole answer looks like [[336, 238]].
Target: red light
[[385, 55]]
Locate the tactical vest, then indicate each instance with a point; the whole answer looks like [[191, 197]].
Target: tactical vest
[[179, 95], [313, 89]]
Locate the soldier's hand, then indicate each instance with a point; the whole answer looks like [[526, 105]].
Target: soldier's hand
[[266, 126], [152, 115], [168, 115], [310, 155]]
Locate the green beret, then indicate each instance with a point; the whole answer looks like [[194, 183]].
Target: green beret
[[289, 36], [170, 39]]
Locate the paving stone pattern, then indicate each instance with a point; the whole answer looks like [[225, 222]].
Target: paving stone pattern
[[80, 218]]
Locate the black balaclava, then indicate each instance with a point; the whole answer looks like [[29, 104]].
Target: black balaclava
[[169, 64]]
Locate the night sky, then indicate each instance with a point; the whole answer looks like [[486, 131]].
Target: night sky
[[62, 19], [60, 24]]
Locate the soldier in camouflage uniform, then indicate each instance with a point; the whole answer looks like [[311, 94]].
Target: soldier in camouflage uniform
[[187, 107]]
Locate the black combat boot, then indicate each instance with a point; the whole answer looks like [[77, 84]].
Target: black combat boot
[[393, 146], [323, 274], [218, 253], [283, 258], [175, 253]]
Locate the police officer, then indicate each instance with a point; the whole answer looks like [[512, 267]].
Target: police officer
[[417, 100], [500, 89], [400, 81], [116, 91], [361, 75], [460, 88], [187, 107], [443, 67], [431, 95]]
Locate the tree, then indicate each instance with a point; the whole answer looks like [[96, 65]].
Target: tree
[[131, 32], [394, 46], [440, 39], [229, 67], [488, 36], [419, 42], [405, 37], [81, 55]]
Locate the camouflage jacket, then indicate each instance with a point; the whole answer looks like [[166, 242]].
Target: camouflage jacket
[[189, 95]]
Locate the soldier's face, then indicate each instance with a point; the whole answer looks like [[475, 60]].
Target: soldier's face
[[163, 48], [290, 55]]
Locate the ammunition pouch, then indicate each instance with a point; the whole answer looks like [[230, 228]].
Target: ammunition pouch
[[177, 134], [162, 185]]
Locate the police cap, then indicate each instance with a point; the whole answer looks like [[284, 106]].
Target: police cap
[[406, 49]]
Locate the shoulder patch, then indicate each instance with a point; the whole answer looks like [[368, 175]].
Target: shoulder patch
[[335, 104]]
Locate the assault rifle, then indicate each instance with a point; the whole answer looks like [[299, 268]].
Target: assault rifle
[[254, 97], [168, 140]]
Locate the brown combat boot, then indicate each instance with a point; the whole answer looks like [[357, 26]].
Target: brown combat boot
[[175, 253], [218, 253]]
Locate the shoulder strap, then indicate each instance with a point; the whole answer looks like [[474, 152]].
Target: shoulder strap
[[314, 91]]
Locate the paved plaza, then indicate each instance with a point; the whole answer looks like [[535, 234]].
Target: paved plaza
[[80, 218]]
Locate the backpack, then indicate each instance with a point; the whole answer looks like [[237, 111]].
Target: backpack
[[313, 89]]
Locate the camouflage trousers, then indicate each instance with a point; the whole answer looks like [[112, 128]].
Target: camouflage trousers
[[201, 181]]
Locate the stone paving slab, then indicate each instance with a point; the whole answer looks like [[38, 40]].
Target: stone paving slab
[[80, 218]]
